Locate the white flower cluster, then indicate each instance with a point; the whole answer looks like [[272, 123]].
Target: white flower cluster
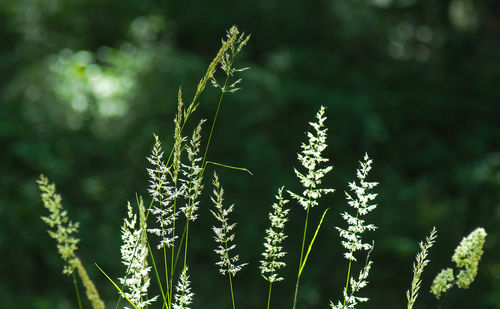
[[350, 300], [356, 226], [163, 194], [274, 237], [134, 253], [224, 235], [310, 158], [192, 172], [183, 296], [352, 236]]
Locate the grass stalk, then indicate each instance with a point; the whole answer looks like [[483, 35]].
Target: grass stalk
[[77, 291], [214, 120], [349, 270], [301, 259], [269, 295], [231, 287], [165, 300]]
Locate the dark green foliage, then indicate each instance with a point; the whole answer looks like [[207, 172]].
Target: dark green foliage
[[425, 105]]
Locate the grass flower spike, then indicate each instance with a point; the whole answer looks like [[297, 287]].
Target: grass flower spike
[[311, 159], [467, 257], [418, 267], [224, 235], [275, 235], [183, 296], [273, 251], [192, 172], [134, 256], [63, 229], [235, 42], [352, 235], [361, 203], [163, 194]]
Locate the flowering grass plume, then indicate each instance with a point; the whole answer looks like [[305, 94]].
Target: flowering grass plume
[[418, 267], [62, 230], [362, 203], [233, 38], [192, 173], [350, 299], [273, 251], [235, 42], [183, 296], [224, 235], [311, 159], [163, 194], [134, 253], [467, 257]]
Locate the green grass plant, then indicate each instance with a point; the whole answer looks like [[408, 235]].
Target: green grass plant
[[159, 234]]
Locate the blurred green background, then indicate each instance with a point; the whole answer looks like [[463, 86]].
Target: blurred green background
[[415, 83]]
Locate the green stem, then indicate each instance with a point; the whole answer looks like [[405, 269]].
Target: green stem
[[347, 280], [212, 128], [177, 255], [349, 270], [169, 299], [223, 90], [231, 286], [301, 257], [165, 301], [77, 291], [269, 295], [186, 243]]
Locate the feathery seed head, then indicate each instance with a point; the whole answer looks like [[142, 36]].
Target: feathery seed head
[[192, 172], [352, 235], [134, 253], [183, 296], [273, 251], [234, 42], [163, 193], [350, 299], [178, 140], [62, 229], [224, 235], [418, 267], [361, 203], [311, 159]]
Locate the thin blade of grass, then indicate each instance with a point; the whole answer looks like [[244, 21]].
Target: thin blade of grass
[[312, 241], [157, 275], [231, 167], [116, 286]]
